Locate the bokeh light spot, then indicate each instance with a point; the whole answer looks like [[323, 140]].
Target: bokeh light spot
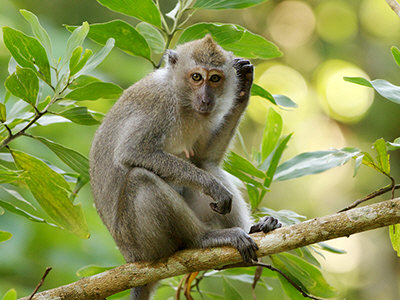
[[292, 23], [336, 21], [340, 99]]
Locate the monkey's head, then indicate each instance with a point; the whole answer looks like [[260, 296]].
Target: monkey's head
[[204, 76]]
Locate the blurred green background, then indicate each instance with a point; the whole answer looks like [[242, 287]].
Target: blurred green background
[[322, 41]]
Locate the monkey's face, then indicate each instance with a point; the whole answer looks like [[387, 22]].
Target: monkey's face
[[206, 87]]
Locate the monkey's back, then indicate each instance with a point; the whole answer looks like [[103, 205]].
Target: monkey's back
[[135, 118]]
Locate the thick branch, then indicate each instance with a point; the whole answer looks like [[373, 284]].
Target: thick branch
[[283, 239]]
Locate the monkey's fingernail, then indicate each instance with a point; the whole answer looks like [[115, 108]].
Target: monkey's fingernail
[[242, 93]]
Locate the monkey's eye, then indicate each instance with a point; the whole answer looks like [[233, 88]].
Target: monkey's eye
[[215, 78], [196, 77]]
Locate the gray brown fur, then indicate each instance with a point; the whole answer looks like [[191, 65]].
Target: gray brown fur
[[153, 199]]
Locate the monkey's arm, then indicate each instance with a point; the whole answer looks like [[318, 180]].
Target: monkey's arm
[[218, 143]]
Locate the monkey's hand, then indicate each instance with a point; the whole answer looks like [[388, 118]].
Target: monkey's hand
[[223, 199], [245, 73], [265, 225]]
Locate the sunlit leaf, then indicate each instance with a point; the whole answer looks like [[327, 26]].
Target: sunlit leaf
[[127, 38], [153, 37], [226, 4], [28, 52], [272, 133], [37, 29], [232, 38], [4, 236], [395, 145], [98, 57], [83, 80], [396, 55], [51, 191], [243, 165], [75, 40], [77, 62], [79, 115], [91, 270], [94, 91], [10, 295], [382, 157], [3, 113], [8, 176], [394, 232], [71, 158], [314, 162], [144, 10], [24, 84], [276, 157], [383, 87], [257, 90]]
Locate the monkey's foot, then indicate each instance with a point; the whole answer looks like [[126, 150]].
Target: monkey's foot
[[265, 225]]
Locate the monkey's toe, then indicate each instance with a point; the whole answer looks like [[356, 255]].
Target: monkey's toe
[[267, 224]]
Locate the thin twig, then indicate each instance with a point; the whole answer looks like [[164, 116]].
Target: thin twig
[[394, 5], [294, 284], [377, 193], [48, 269]]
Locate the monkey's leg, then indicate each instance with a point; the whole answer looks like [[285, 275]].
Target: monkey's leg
[[155, 221]]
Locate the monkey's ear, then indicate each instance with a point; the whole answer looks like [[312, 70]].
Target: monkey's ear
[[172, 57]]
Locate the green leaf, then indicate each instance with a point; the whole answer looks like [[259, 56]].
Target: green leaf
[[79, 115], [153, 37], [94, 91], [226, 4], [358, 80], [51, 191], [82, 80], [75, 40], [314, 162], [395, 145], [144, 10], [254, 195], [91, 270], [396, 55], [272, 133], [394, 233], [383, 87], [4, 236], [285, 101], [8, 176], [24, 84], [243, 177], [257, 90], [327, 247], [77, 62], [28, 52], [17, 196], [230, 292], [382, 157], [19, 211], [242, 164], [369, 162], [276, 157], [37, 29], [304, 273], [127, 38], [3, 113], [358, 163], [98, 57], [232, 38], [71, 158], [10, 295], [286, 217]]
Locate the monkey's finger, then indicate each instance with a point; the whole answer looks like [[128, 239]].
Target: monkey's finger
[[237, 62]]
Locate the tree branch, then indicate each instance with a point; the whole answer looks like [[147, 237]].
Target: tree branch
[[394, 5], [283, 239]]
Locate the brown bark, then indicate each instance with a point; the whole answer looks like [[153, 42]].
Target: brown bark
[[286, 238]]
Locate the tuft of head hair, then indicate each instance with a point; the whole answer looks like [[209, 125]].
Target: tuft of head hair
[[207, 52]]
